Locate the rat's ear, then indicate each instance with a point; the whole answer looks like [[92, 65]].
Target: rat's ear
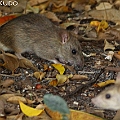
[[118, 78], [64, 36]]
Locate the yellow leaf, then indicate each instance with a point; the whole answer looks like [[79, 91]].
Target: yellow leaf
[[102, 26], [61, 78], [59, 67], [94, 23], [102, 84], [29, 111], [74, 115]]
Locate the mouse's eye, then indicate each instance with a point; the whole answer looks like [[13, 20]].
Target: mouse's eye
[[107, 96], [74, 51]]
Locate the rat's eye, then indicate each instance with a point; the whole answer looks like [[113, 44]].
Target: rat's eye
[[107, 96], [74, 51]]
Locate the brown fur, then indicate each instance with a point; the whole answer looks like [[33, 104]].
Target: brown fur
[[34, 32]]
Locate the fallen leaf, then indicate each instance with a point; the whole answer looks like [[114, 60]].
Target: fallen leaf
[[79, 115], [114, 32], [109, 55], [108, 46], [43, 6], [6, 96], [53, 83], [103, 84], [46, 67], [7, 82], [11, 62], [52, 16], [67, 24], [117, 55], [94, 23], [104, 6], [112, 15], [36, 2], [16, 99], [61, 78], [6, 19], [2, 107], [117, 4], [25, 63], [39, 75], [74, 115], [79, 77], [59, 67], [102, 26], [62, 9], [29, 111]]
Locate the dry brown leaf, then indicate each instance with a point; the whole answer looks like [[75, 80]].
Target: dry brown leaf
[[108, 46], [6, 96], [81, 4], [114, 32], [46, 67], [25, 63], [7, 82], [117, 4], [104, 6], [112, 15], [16, 99], [11, 62], [59, 3], [43, 6], [79, 77], [39, 75], [67, 24], [52, 16], [62, 9], [36, 2], [117, 55], [15, 117], [2, 107]]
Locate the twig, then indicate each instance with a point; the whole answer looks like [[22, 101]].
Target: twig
[[85, 86]]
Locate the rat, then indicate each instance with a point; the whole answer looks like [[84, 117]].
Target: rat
[[110, 97], [36, 33]]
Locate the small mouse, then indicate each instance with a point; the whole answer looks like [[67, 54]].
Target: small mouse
[[36, 33], [110, 97]]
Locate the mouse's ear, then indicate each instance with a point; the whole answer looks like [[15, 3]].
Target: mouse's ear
[[64, 36], [118, 78]]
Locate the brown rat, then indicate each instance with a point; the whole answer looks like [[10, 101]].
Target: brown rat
[[110, 97], [34, 32]]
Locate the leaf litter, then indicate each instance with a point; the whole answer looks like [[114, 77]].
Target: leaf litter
[[78, 90]]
